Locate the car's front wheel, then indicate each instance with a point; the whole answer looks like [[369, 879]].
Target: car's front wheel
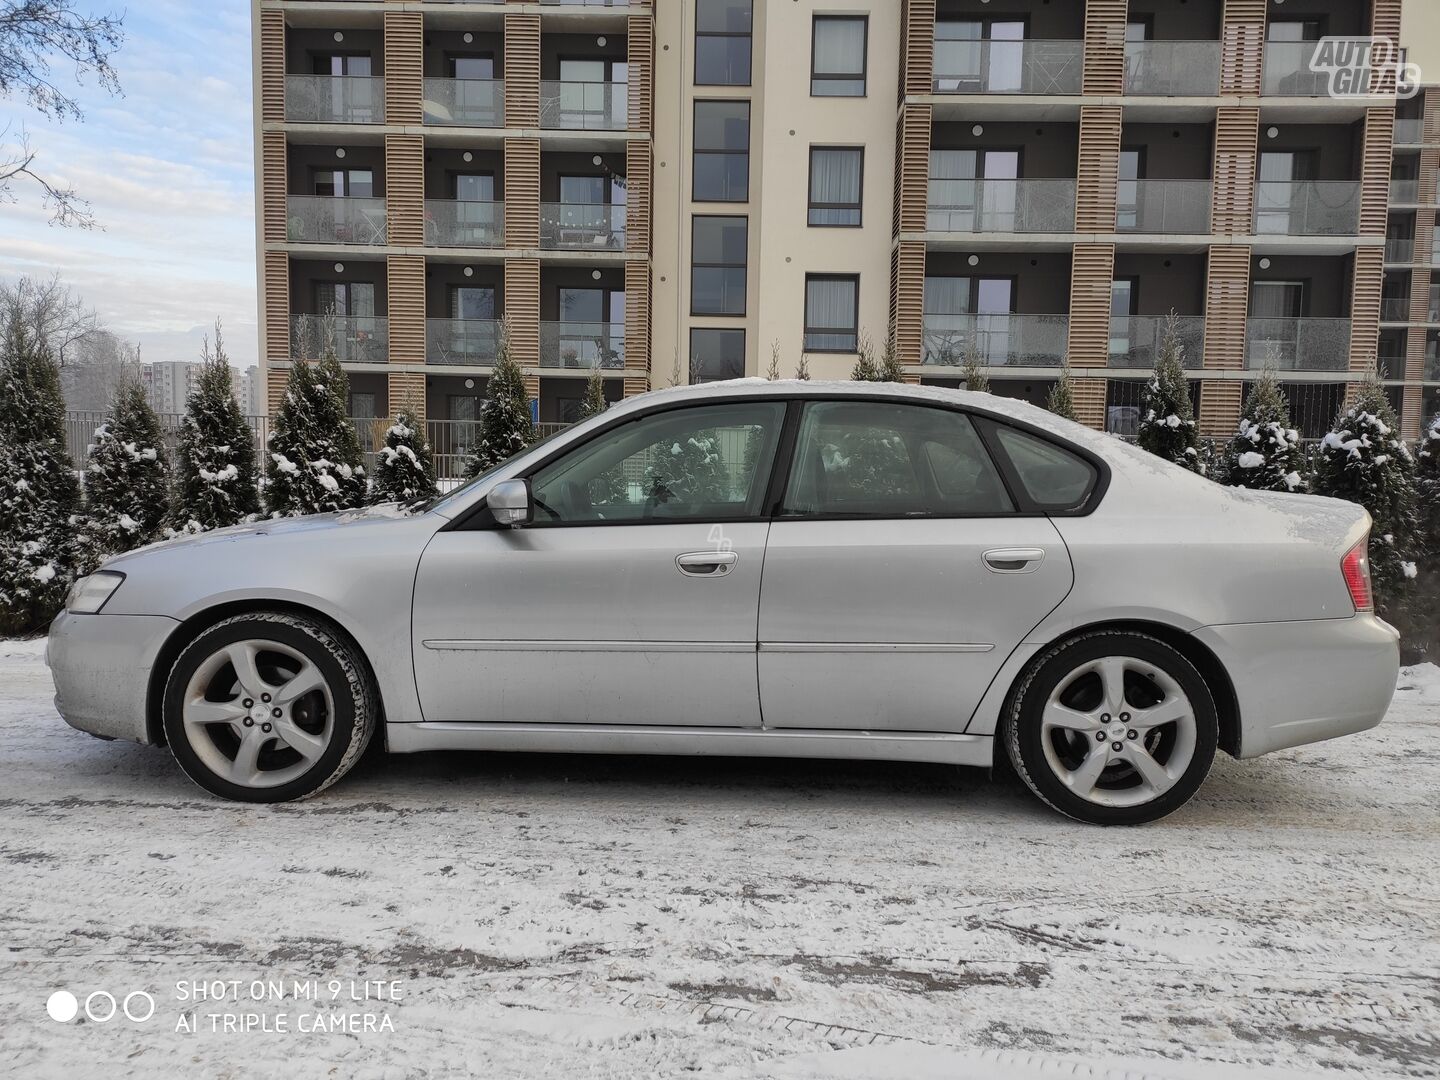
[[268, 707], [1113, 728]]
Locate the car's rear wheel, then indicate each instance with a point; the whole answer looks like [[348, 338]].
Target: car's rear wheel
[[1112, 728], [268, 707]]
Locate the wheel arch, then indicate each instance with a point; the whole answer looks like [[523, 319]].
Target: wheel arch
[[1217, 679], [202, 620]]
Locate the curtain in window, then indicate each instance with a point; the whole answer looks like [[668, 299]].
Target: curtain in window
[[839, 46]]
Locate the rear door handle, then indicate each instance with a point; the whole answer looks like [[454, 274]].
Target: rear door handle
[[706, 563], [1014, 560]]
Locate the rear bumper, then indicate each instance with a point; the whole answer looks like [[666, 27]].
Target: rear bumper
[[1304, 682], [101, 665]]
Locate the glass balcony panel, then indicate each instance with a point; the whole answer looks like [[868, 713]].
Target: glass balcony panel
[[1172, 68], [1307, 208], [1298, 344], [1409, 132], [465, 102], [357, 339], [1008, 67], [1002, 340], [461, 341], [461, 223], [1399, 249], [583, 226], [1018, 206], [1434, 304], [1395, 309], [1406, 192], [582, 344], [590, 106], [1136, 340], [1163, 206], [335, 99], [1287, 70], [330, 219]]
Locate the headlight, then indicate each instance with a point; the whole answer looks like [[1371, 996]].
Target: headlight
[[89, 594]]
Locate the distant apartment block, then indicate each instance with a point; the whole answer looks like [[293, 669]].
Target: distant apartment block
[[168, 384]]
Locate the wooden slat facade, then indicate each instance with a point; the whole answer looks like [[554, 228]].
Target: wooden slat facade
[[912, 168], [1227, 305], [1242, 53], [1104, 70], [522, 70], [640, 82], [276, 379], [1422, 276], [1385, 23], [275, 299], [1088, 397], [404, 67], [272, 66], [522, 193], [1377, 155], [274, 185], [522, 310], [1369, 278], [638, 185], [406, 390], [405, 284], [1099, 168], [1237, 132], [1091, 274], [917, 47], [907, 300], [1220, 404], [405, 190], [637, 317]]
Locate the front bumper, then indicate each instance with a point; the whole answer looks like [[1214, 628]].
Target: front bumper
[[1304, 682], [101, 665]]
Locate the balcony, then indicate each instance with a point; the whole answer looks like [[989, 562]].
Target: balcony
[[357, 339], [1008, 67], [1287, 70], [465, 102], [1435, 251], [1434, 313], [329, 219], [1163, 206], [584, 106], [1395, 309], [1002, 340], [1135, 341], [1405, 192], [582, 226], [582, 344], [1004, 206], [1298, 344], [1172, 68], [1399, 249], [461, 341], [459, 223], [335, 99], [1409, 132], [1307, 208]]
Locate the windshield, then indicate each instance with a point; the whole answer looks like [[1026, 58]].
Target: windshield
[[437, 502]]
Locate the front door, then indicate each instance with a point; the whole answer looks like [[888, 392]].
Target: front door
[[899, 575], [631, 599]]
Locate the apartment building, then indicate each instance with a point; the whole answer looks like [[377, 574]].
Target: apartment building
[[168, 384], [678, 190]]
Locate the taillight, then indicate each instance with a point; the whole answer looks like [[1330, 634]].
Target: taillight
[[1356, 568]]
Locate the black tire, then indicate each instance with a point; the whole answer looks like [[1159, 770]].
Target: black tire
[[1023, 734], [356, 701]]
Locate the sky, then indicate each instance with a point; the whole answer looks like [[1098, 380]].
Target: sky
[[167, 167]]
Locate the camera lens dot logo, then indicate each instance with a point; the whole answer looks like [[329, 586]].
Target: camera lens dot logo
[[101, 1006], [62, 1006]]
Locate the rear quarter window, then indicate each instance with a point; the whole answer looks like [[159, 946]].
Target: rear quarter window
[[1054, 478]]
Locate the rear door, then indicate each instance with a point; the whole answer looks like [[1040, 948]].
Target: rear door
[[899, 574]]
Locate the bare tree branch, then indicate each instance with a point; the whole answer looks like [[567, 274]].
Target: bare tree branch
[[55, 314], [65, 206]]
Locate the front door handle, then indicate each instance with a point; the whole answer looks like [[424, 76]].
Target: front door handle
[[1014, 560], [706, 563]]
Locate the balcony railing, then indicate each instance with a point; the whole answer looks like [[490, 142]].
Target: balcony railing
[[1399, 249], [1308, 208], [1001, 340], [1435, 251], [1136, 340], [1405, 192], [1287, 70], [335, 99], [465, 102], [1005, 206], [461, 223], [582, 344], [1395, 309], [1409, 132], [461, 341], [582, 226], [1172, 68], [589, 106], [1008, 67], [1298, 344], [357, 339], [1163, 206], [329, 219], [1434, 313]]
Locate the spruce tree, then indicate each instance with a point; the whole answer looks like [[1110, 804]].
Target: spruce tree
[[865, 369], [1167, 421], [1061, 400], [314, 464], [1265, 453], [40, 552], [888, 370], [1426, 610], [505, 425], [405, 465], [593, 403], [972, 373], [692, 471], [127, 477], [215, 474], [1363, 460]]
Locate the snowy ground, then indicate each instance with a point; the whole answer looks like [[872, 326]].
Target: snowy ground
[[576, 917]]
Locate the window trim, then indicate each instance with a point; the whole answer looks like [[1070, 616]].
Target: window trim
[[806, 329], [718, 330], [858, 206], [696, 149], [864, 19], [749, 36], [744, 266]]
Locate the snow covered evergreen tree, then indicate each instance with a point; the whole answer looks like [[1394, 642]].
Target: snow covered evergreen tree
[[692, 471], [865, 369], [215, 474], [1363, 460], [405, 465], [505, 424], [127, 476], [1265, 453], [1061, 400], [1426, 610], [1167, 420], [593, 403], [40, 553], [888, 369], [314, 464]]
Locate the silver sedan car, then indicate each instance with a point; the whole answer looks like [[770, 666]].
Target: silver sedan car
[[787, 569]]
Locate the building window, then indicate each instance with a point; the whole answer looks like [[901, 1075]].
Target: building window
[[831, 308], [722, 42], [716, 354], [721, 169], [717, 271], [835, 184], [837, 56]]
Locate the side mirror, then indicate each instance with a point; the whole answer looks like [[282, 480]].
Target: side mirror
[[509, 503]]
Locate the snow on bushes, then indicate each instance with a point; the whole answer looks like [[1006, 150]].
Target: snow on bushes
[[1426, 620], [405, 465], [505, 425], [215, 473], [1265, 453], [1167, 420], [127, 476], [313, 463]]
